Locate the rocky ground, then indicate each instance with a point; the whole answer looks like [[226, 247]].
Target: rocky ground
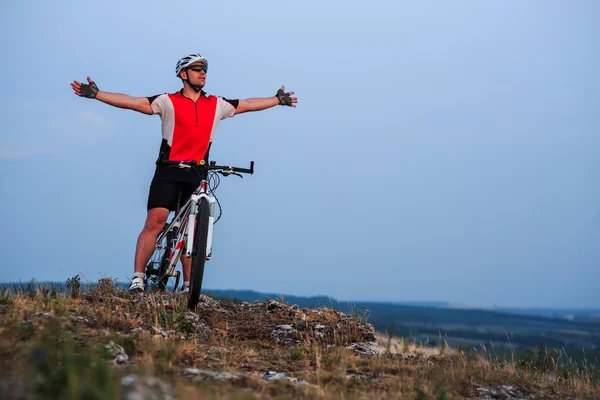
[[108, 344]]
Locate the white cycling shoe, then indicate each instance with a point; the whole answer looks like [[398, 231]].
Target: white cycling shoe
[[185, 289], [137, 285]]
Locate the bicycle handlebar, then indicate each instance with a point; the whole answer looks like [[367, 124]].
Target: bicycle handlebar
[[211, 166]]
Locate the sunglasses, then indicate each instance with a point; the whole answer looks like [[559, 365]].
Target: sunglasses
[[199, 68]]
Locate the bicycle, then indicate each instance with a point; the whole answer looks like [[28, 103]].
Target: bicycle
[[190, 229]]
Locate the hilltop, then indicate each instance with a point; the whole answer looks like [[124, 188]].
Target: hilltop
[[106, 343], [435, 323]]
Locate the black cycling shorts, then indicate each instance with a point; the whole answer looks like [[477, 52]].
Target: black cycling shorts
[[168, 184]]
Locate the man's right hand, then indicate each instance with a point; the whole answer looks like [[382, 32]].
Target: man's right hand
[[89, 90]]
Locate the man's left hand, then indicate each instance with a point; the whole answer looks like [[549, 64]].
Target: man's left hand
[[285, 98]]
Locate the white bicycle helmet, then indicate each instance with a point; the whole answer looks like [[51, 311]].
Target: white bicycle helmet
[[188, 60]]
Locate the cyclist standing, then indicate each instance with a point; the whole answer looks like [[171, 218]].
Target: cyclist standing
[[189, 119]]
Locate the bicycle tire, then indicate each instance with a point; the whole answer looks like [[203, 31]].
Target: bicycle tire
[[162, 279], [157, 264], [199, 255]]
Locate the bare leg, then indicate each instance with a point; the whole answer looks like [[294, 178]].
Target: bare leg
[[186, 263], [155, 221]]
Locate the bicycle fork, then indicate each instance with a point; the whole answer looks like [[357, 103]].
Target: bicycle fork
[[195, 198]]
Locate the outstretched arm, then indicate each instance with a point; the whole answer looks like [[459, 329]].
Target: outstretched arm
[[90, 90], [259, 104]]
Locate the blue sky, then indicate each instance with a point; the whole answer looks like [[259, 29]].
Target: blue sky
[[440, 150]]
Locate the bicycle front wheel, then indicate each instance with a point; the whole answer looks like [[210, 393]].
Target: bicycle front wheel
[[199, 257]]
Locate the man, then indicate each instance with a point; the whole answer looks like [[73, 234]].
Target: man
[[189, 119]]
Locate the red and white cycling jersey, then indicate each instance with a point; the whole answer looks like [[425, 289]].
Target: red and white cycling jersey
[[188, 126]]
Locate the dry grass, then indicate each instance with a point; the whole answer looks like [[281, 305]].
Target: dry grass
[[50, 340]]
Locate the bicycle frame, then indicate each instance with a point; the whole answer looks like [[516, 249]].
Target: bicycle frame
[[184, 223], [178, 237]]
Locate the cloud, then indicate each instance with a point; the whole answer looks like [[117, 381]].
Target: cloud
[[84, 125], [91, 119], [55, 135], [596, 220], [15, 154]]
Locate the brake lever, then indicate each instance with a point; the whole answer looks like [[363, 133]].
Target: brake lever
[[227, 173]]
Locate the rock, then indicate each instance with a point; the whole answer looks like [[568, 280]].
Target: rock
[[135, 387], [79, 318], [285, 324], [117, 352], [162, 332], [286, 327], [368, 349], [321, 331], [368, 332], [300, 315], [198, 325], [211, 375], [205, 301], [363, 378], [276, 376], [192, 317], [191, 372], [503, 392], [286, 335], [272, 305]]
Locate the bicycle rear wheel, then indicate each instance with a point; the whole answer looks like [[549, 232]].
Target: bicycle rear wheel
[[199, 255], [162, 279], [156, 280]]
